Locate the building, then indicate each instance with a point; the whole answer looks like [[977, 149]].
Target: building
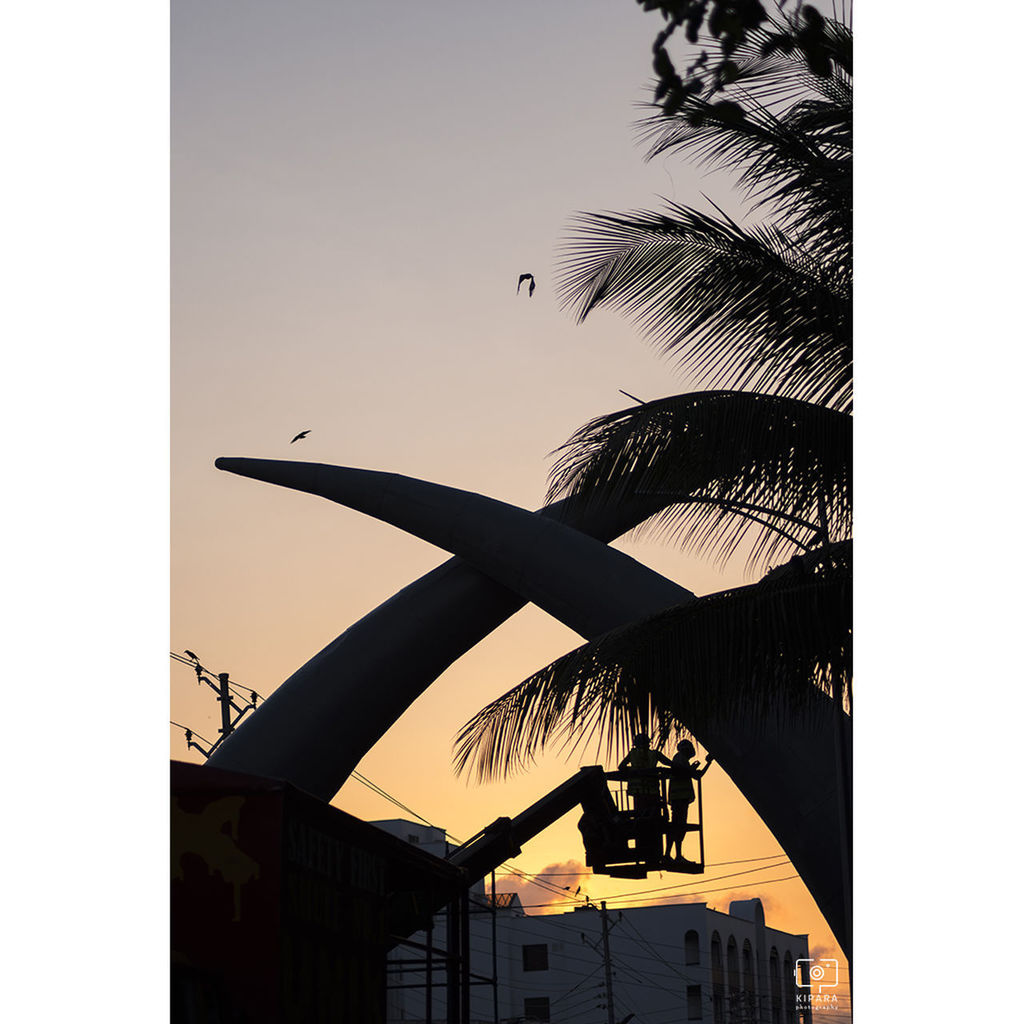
[[665, 964], [284, 909]]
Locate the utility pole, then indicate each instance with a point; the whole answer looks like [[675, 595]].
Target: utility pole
[[494, 944], [223, 690], [607, 963], [224, 698]]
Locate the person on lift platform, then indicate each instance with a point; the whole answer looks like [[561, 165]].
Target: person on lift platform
[[645, 790], [681, 794]]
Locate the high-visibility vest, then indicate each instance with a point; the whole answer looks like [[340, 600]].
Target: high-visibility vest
[[639, 758]]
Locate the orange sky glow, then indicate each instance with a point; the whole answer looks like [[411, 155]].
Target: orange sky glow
[[355, 190]]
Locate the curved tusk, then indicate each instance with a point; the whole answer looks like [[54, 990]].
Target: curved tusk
[[788, 773]]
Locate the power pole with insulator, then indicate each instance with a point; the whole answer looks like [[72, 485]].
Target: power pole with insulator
[[224, 699], [222, 688], [607, 963]]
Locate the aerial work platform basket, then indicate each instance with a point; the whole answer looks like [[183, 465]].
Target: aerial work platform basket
[[627, 826], [631, 834]]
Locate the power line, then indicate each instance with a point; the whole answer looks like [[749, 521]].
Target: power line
[[558, 999], [561, 954], [703, 892], [669, 945], [643, 942], [553, 889], [716, 864], [240, 689], [575, 900], [192, 731], [691, 974], [701, 972], [687, 885], [536, 879], [387, 796], [380, 791], [223, 688]]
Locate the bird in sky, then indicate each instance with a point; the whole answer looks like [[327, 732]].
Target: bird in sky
[[194, 657], [298, 437], [526, 277]]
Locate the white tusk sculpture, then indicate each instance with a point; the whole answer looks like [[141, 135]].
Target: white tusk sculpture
[[788, 772], [320, 722]]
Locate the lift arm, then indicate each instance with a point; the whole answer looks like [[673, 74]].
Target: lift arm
[[504, 837]]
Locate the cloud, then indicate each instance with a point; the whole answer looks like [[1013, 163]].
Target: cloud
[[767, 902], [553, 886]]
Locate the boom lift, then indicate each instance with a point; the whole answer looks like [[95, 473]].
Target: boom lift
[[619, 840]]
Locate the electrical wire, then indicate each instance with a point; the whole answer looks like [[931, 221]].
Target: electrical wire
[[703, 892], [561, 954], [194, 733], [240, 689], [621, 962], [683, 949], [687, 885], [643, 893], [701, 974], [564, 995], [380, 791], [716, 864], [682, 885], [387, 796], [538, 879]]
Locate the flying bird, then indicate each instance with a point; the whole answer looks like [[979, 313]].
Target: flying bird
[[526, 277], [298, 437], [194, 657]]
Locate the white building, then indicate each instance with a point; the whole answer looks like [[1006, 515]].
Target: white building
[[667, 964]]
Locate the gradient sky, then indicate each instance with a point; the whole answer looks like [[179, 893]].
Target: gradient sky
[[355, 190], [85, 430]]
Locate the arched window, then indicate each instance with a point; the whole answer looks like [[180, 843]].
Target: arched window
[[732, 963], [749, 984], [717, 980], [789, 988], [775, 986], [691, 946]]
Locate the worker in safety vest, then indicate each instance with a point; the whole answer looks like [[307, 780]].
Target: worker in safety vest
[[645, 791], [680, 792]]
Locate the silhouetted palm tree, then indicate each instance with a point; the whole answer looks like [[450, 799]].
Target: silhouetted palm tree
[[762, 313]]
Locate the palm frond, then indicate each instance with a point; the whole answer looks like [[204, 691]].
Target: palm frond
[[735, 467], [746, 309], [782, 125], [759, 652], [798, 165], [772, 73]]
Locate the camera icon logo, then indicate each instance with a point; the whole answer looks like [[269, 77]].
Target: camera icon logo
[[817, 974]]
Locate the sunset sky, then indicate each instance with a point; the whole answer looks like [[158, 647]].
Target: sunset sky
[[355, 189]]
